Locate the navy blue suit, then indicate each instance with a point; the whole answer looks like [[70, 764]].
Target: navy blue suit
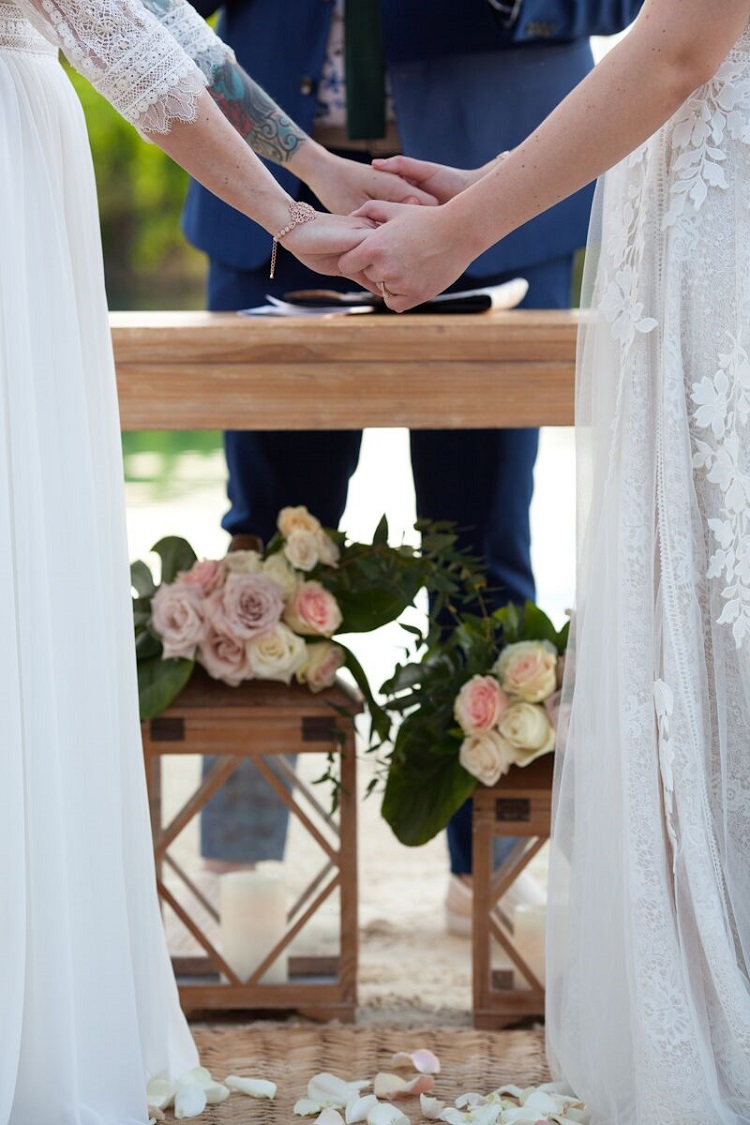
[[463, 90]]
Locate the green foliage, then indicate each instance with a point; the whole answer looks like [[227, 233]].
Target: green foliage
[[425, 783], [141, 191]]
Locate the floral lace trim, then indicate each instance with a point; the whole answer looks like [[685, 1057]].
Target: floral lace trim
[[723, 408], [698, 131], [123, 50], [17, 34], [197, 39]]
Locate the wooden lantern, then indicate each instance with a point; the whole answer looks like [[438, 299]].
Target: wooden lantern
[[264, 722], [519, 805]]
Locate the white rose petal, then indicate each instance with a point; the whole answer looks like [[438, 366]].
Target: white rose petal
[[329, 1116], [358, 1108], [454, 1116], [470, 1099], [422, 1060], [329, 1090], [160, 1093], [189, 1100], [306, 1107], [431, 1107], [541, 1103], [253, 1087], [386, 1114]]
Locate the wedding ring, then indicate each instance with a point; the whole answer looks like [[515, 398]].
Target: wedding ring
[[384, 293]]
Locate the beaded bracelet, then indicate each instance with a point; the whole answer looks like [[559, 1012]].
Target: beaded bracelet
[[298, 213]]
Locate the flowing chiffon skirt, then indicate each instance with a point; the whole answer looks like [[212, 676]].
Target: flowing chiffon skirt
[[649, 927], [88, 1004]]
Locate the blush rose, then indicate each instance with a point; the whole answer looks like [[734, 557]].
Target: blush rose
[[479, 704], [312, 611]]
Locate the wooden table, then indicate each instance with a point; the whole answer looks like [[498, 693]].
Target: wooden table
[[186, 371]]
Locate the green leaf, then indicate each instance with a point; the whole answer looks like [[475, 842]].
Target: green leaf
[[423, 792], [147, 645], [379, 718], [381, 532], [176, 555], [142, 580], [159, 681]]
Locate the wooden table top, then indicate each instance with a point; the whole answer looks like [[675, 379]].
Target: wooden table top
[[223, 371]]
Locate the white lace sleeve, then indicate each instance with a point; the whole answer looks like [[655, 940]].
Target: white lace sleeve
[[192, 33], [126, 53]]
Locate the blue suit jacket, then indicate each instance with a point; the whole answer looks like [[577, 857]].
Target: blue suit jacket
[[463, 91]]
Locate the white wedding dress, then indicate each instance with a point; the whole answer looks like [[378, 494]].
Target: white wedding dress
[[649, 928], [88, 1004]]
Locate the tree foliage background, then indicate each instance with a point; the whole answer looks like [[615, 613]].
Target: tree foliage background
[[147, 261]]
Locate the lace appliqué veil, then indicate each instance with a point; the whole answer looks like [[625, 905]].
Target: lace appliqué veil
[[649, 938]]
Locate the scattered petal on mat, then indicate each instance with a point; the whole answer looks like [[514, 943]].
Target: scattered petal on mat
[[431, 1107], [422, 1060], [470, 1099], [392, 1086], [306, 1107], [189, 1099], [253, 1087], [155, 1115], [329, 1116], [386, 1114], [358, 1108], [542, 1103], [159, 1093], [330, 1091]]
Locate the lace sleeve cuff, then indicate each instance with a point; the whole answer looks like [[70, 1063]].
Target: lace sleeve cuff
[[196, 37]]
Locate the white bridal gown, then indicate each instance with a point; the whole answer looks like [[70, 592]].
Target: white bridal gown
[[88, 1005], [649, 931]]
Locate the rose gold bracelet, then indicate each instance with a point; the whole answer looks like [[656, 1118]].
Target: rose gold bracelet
[[298, 213]]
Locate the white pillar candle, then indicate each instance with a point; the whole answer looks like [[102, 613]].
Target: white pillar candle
[[529, 928], [252, 909]]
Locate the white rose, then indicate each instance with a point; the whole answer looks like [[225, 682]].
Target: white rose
[[296, 519], [328, 551], [243, 562], [527, 730], [277, 655], [302, 549], [279, 571], [528, 669], [485, 756]]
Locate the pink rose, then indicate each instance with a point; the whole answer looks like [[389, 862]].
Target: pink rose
[[312, 611], [207, 575], [528, 670], [247, 606], [178, 617], [224, 658], [322, 662], [479, 704]]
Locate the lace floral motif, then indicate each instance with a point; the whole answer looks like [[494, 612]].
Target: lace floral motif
[[723, 408], [126, 54], [620, 304], [712, 113]]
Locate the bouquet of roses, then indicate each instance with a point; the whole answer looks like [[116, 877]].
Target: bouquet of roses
[[484, 697], [274, 613]]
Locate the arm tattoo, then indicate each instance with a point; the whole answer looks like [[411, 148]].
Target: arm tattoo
[[254, 114]]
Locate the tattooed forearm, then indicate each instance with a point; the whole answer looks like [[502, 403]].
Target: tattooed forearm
[[254, 114]]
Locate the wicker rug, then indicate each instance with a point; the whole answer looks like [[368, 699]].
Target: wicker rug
[[290, 1055]]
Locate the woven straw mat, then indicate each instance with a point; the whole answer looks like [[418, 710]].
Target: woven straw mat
[[291, 1055]]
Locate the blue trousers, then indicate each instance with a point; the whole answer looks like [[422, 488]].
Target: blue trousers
[[480, 479]]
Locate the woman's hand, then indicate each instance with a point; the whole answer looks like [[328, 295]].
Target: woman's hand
[[414, 254], [320, 244], [440, 180], [344, 185]]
